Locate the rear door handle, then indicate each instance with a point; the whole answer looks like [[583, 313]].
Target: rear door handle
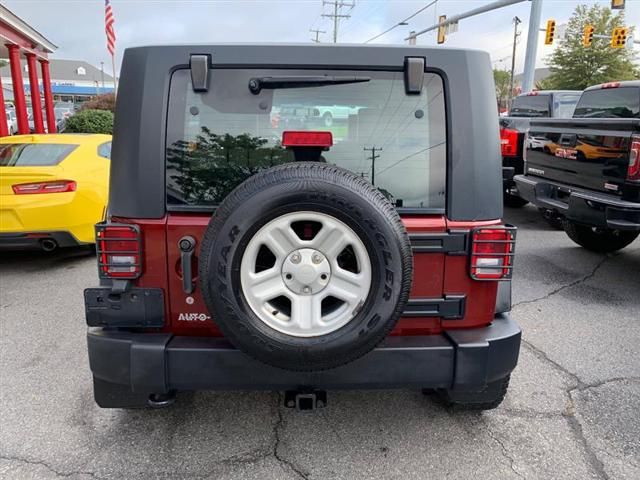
[[187, 245]]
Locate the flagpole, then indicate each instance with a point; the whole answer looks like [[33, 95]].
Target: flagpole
[[113, 64]]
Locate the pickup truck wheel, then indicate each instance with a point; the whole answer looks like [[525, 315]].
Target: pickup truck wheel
[[305, 266], [601, 240], [514, 201], [327, 118], [488, 398]]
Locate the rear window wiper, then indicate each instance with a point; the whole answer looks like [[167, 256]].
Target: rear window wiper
[[271, 83]]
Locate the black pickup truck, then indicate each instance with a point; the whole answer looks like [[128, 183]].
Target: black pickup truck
[[537, 104], [587, 169]]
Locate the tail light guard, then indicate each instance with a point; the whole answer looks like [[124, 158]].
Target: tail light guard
[[119, 253], [492, 252]]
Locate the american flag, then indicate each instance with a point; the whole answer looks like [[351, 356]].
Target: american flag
[[108, 27]]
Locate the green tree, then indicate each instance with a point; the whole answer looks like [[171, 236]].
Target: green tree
[[502, 79], [574, 66], [90, 121]]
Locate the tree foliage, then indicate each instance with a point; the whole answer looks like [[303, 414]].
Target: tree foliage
[[101, 102], [575, 67], [502, 79], [206, 170], [90, 121]]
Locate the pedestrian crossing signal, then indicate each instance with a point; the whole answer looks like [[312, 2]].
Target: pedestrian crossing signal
[[587, 37], [550, 32], [619, 37]]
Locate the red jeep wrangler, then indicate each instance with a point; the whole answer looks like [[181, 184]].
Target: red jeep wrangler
[[251, 244]]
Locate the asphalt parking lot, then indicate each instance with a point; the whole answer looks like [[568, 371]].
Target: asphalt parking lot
[[571, 412]]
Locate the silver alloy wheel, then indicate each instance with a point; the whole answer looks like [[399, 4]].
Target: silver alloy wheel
[[313, 281]]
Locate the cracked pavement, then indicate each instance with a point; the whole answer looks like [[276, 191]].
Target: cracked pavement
[[571, 411]]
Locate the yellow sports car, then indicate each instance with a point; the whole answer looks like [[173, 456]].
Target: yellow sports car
[[53, 189]]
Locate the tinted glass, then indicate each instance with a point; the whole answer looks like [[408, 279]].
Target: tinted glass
[[104, 150], [623, 102], [219, 138], [530, 106], [564, 104], [33, 155]]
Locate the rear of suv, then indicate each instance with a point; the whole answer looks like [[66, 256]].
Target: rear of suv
[[365, 252]]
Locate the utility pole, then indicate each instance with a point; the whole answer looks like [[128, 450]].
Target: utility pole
[[532, 45], [373, 157], [516, 22], [317, 32], [337, 14]]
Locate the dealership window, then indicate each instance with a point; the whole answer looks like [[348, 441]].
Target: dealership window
[[217, 139]]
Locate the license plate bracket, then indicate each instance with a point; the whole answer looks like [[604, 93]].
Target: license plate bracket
[[137, 307]]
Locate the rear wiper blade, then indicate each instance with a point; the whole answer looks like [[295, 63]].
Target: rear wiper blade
[[271, 83]]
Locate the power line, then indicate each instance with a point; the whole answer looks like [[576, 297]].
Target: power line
[[317, 32], [402, 22], [337, 14], [410, 156]]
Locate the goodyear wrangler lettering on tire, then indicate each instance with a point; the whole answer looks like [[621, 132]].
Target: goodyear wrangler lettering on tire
[[305, 266]]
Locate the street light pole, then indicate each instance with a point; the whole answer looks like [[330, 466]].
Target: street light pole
[[532, 45], [102, 73], [516, 22]]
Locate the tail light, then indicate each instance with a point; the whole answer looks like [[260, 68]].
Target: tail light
[[509, 142], [56, 186], [119, 251], [318, 139], [492, 251], [633, 170]]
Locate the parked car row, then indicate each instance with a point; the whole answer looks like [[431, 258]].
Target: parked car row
[[62, 111]]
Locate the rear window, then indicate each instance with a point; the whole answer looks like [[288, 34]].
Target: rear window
[[530, 106], [33, 154], [564, 104], [623, 102], [217, 139]]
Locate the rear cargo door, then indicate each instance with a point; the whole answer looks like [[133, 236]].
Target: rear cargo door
[[218, 137]]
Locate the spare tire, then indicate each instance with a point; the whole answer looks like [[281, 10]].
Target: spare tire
[[305, 266]]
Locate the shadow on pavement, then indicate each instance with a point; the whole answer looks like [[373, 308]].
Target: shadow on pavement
[[32, 260]]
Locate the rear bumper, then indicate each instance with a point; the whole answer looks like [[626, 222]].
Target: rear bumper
[[146, 363], [582, 206], [33, 240]]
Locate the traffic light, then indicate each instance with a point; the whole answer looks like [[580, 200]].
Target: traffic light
[[617, 4], [619, 37], [441, 29], [587, 37], [550, 33]]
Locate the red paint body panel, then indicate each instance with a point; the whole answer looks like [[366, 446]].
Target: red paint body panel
[[434, 275], [481, 295]]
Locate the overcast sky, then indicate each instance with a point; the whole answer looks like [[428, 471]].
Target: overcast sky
[[77, 26]]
